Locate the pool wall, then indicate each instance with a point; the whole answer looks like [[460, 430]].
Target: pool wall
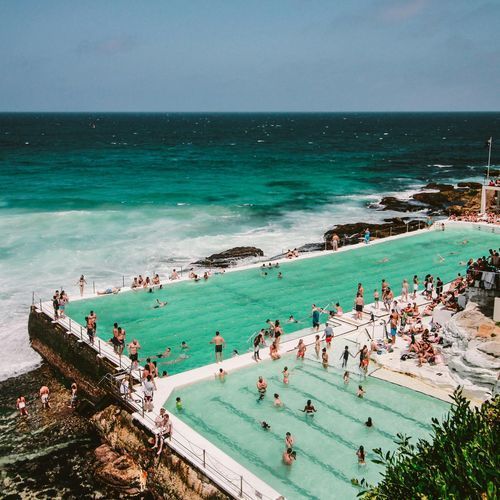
[[196, 452]]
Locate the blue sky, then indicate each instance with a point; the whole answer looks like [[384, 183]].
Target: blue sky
[[275, 55]]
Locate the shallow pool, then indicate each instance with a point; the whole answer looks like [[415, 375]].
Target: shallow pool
[[239, 303], [229, 415]]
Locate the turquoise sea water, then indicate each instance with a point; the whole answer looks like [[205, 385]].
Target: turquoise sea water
[[229, 415], [239, 303], [112, 194]]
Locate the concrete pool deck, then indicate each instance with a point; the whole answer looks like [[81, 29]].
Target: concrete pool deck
[[434, 381]]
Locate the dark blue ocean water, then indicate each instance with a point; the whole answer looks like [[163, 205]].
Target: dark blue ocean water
[[112, 194]]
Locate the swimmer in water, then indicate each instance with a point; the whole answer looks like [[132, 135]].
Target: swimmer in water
[[261, 388], [178, 404], [441, 258], [291, 319], [286, 375], [346, 378], [309, 408], [184, 345], [280, 275], [167, 352], [383, 261], [289, 456], [361, 392], [289, 440], [277, 400], [221, 375], [464, 242], [265, 425], [159, 304], [369, 422], [462, 263]]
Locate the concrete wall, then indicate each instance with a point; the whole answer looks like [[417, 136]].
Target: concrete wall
[[168, 476]]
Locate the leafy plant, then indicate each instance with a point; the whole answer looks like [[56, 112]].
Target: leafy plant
[[461, 459]]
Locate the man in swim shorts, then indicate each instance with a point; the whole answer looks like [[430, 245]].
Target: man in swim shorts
[[328, 335], [133, 349], [219, 342]]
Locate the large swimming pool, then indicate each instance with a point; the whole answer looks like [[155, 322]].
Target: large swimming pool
[[238, 303], [229, 415]]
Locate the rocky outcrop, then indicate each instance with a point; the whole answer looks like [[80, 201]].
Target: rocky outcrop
[[229, 257], [352, 233], [438, 199], [473, 357], [167, 476]]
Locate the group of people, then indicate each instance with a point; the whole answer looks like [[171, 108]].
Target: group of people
[[44, 393], [147, 282], [488, 217], [59, 301], [290, 254]]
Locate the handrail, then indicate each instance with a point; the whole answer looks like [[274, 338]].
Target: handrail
[[198, 456]]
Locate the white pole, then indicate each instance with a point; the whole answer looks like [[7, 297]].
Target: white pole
[[489, 160]]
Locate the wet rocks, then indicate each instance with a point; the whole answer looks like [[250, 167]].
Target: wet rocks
[[353, 233], [437, 199], [229, 257]]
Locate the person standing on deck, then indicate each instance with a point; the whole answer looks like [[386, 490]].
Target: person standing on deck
[[335, 242], [133, 354], [439, 286], [315, 317], [358, 305], [367, 236], [219, 342], [81, 283], [328, 336]]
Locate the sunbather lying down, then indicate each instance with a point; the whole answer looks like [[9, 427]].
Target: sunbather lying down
[[108, 291]]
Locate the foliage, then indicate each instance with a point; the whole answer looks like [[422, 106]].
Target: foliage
[[460, 461]]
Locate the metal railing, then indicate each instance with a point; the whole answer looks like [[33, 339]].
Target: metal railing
[[103, 349], [233, 483]]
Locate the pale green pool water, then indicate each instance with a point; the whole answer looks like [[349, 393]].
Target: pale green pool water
[[229, 415], [239, 303]]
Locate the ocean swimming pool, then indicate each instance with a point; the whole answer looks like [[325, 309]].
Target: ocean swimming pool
[[238, 303], [229, 415]]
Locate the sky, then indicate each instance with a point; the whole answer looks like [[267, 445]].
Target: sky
[[250, 55]]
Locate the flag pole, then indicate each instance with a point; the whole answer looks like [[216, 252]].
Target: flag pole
[[489, 160]]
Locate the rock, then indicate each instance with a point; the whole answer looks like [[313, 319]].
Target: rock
[[491, 348], [229, 257], [439, 187], [437, 199], [472, 185], [397, 205], [353, 233], [473, 360]]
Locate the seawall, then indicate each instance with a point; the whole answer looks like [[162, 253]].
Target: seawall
[[136, 465]]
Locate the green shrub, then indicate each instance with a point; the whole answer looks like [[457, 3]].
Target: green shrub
[[460, 461]]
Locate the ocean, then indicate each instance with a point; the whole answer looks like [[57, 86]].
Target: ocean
[[107, 195]]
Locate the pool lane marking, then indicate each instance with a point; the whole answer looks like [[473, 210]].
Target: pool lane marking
[[340, 412], [309, 421], [239, 413], [245, 452], [371, 402]]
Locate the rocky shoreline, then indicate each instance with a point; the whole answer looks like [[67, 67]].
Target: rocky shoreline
[[51, 451], [436, 200]]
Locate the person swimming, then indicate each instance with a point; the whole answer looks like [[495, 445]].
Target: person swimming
[[159, 304], [265, 425], [309, 408], [383, 261], [369, 422]]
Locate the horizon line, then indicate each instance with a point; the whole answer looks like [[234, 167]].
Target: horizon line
[[243, 111]]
